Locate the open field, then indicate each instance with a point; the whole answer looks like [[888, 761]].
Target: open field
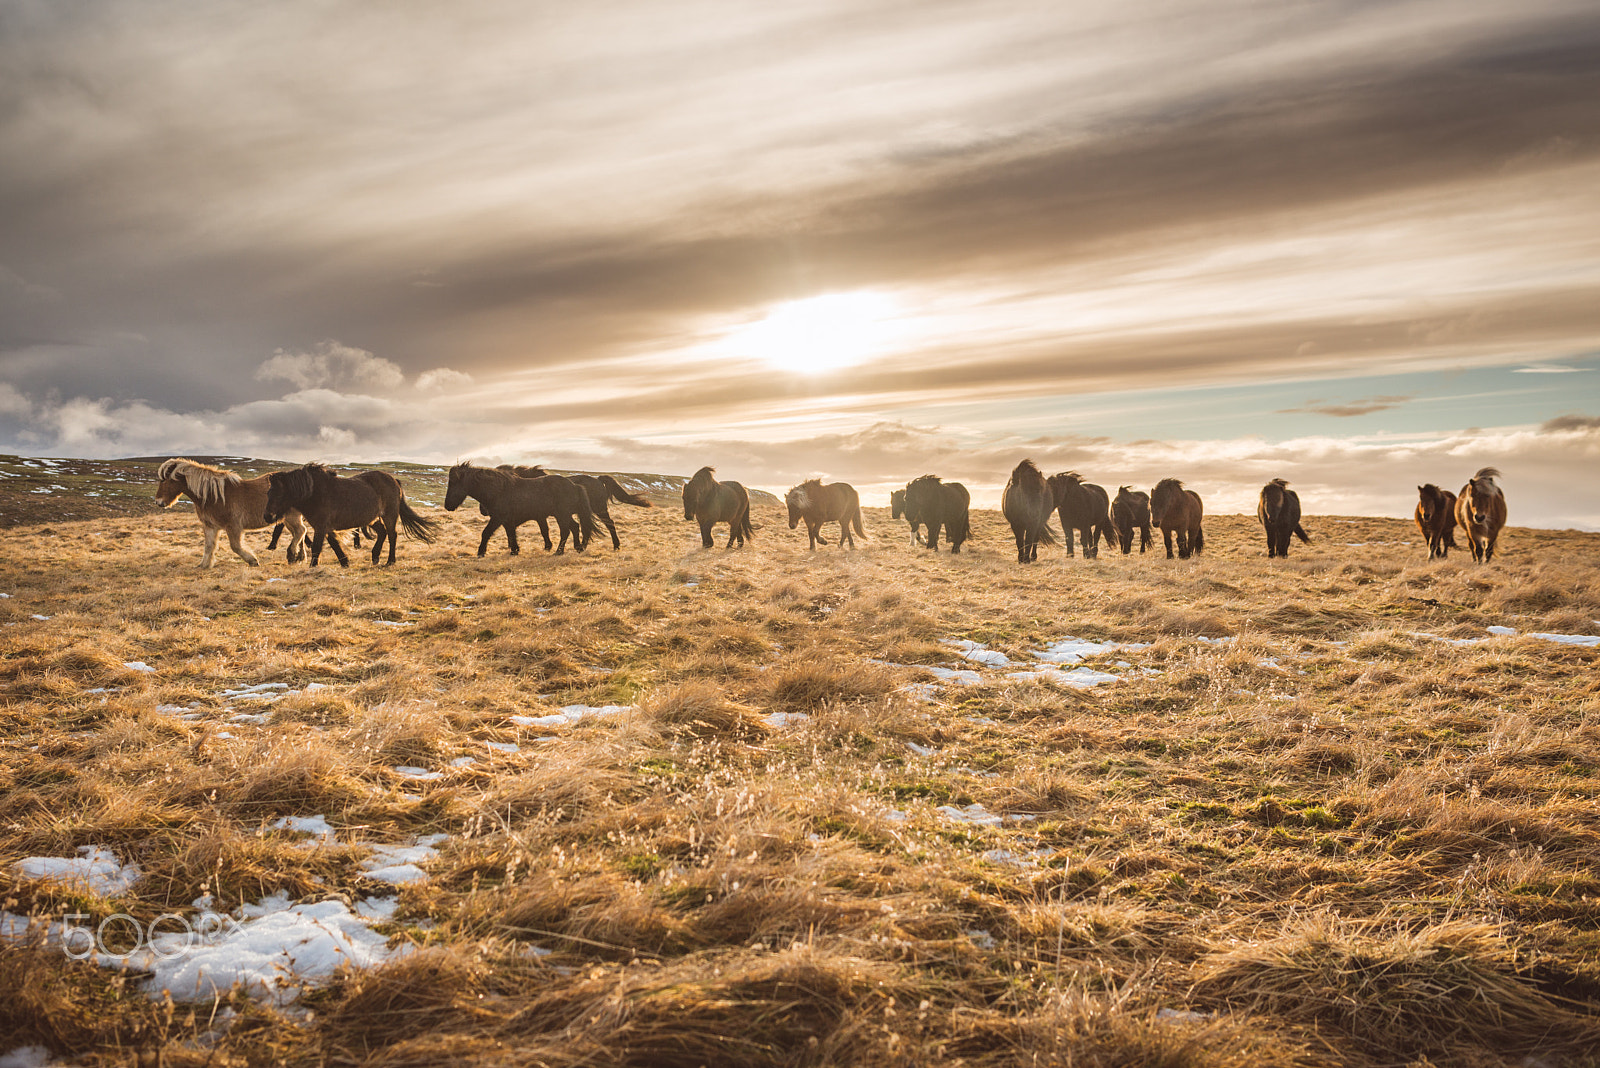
[[666, 806]]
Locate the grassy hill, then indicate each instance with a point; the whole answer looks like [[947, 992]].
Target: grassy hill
[[669, 806]]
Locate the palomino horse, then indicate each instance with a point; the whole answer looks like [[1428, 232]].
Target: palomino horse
[[1083, 507], [1279, 512], [939, 504], [602, 489], [1436, 520], [331, 503], [1027, 503], [837, 502], [1481, 511], [509, 500], [1178, 510], [225, 501], [1129, 511], [710, 502]]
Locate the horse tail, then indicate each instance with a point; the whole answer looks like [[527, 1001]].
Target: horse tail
[[585, 518], [614, 488], [745, 528], [417, 526], [855, 519], [1045, 536], [1300, 532], [1199, 539]]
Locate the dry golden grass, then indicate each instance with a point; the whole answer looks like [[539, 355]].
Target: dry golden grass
[[1336, 838]]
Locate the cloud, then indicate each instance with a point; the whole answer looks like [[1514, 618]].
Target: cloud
[[332, 365], [1562, 424], [442, 378], [1350, 410]]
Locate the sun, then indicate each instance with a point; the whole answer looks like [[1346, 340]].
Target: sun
[[821, 333]]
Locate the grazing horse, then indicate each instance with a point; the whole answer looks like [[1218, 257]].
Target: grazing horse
[[1436, 519], [1481, 511], [509, 500], [1027, 503], [1175, 509], [331, 503], [227, 502], [939, 504], [602, 489], [1083, 507], [1279, 512], [897, 508], [710, 502], [837, 502], [1131, 510]]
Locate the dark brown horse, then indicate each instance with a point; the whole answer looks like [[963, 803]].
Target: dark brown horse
[[1178, 511], [602, 490], [1481, 511], [1279, 512], [1083, 507], [837, 502], [937, 504], [1436, 519], [1027, 504], [331, 503], [509, 500], [1130, 511], [897, 508], [710, 502]]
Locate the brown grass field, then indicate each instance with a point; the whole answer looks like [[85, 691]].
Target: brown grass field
[[1337, 839]]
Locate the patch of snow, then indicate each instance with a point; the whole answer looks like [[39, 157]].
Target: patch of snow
[[418, 773], [463, 762], [977, 652], [784, 719], [1070, 650], [921, 750], [25, 1057], [973, 813], [1079, 677], [378, 908], [314, 825], [958, 675], [1181, 1015], [503, 747], [981, 938], [95, 868], [1588, 640], [569, 715], [40, 618], [1504, 632]]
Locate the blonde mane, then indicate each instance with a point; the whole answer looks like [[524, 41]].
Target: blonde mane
[[204, 482]]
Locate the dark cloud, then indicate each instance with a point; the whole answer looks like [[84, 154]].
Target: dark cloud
[[1563, 424], [1346, 411]]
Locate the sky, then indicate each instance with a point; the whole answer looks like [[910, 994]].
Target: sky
[[1351, 244]]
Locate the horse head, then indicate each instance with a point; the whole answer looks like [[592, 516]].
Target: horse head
[[798, 501], [289, 489], [456, 491], [170, 483], [897, 503], [694, 488]]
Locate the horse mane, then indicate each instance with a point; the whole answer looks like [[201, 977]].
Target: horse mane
[[1066, 476], [1488, 474], [1281, 483], [925, 480], [1168, 485], [817, 482], [205, 482], [1025, 469]]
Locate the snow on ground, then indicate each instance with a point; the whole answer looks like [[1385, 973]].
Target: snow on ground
[[94, 869], [784, 719], [422, 774], [569, 715], [400, 865], [1589, 641], [977, 652]]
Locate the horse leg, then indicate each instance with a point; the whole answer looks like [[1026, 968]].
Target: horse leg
[[705, 535], [511, 539], [236, 543], [1166, 535], [566, 528], [544, 529], [616, 543], [316, 547], [338, 548], [488, 532], [1488, 546], [933, 534], [394, 538], [277, 532]]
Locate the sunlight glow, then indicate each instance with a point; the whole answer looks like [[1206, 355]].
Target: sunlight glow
[[822, 333]]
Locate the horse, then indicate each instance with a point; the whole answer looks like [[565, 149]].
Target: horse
[[1175, 509], [1436, 520], [1131, 509], [837, 502], [1084, 507], [710, 502], [897, 508], [1279, 512], [331, 503], [602, 489], [1027, 503], [509, 500], [939, 504], [1481, 511], [225, 501]]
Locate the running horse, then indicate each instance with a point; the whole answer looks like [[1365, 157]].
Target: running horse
[[1481, 511], [709, 502], [1178, 511], [837, 502], [225, 501], [602, 489], [1436, 520], [937, 504], [1279, 512], [331, 503], [509, 500], [1027, 503]]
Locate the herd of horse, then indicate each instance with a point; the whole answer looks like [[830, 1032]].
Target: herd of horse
[[314, 498]]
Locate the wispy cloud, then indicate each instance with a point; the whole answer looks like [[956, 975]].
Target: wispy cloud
[[1366, 406]]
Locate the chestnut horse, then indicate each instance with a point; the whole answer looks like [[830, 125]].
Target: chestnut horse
[[1436, 519], [1178, 510], [837, 502], [227, 502], [1481, 511], [710, 502], [1131, 510], [509, 500], [1279, 512], [331, 503], [1083, 507], [937, 504], [602, 489], [1027, 503]]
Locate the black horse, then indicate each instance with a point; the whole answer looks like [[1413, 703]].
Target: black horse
[[1083, 507], [331, 503], [1279, 512], [1131, 511], [510, 500], [1027, 503], [709, 502], [602, 489], [929, 502]]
